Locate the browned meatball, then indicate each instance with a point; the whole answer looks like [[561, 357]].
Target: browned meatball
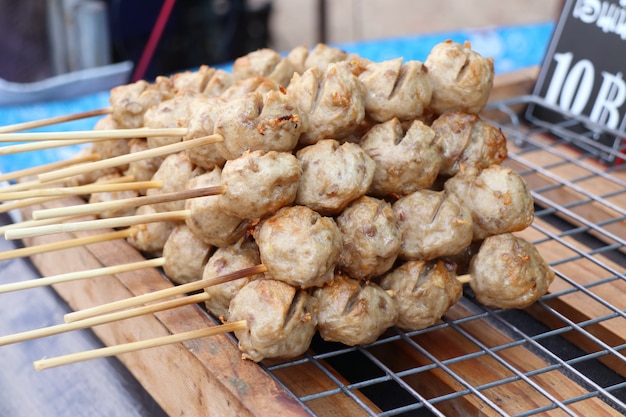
[[112, 196], [433, 224], [299, 246], [175, 171], [259, 183], [321, 55], [497, 197], [207, 220], [423, 292], [257, 121], [243, 254], [396, 90], [407, 160], [241, 88], [509, 272], [201, 116], [150, 238], [461, 78], [218, 83], [129, 102], [266, 63], [353, 312], [168, 114], [371, 238], [332, 100], [191, 81], [185, 255], [110, 148], [333, 175], [144, 169], [281, 319], [466, 141]]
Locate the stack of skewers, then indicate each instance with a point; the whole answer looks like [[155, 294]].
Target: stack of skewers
[[315, 192]]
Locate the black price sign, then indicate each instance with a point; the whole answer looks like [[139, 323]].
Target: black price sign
[[583, 72]]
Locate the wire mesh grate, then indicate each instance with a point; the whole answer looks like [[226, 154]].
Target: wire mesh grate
[[563, 356]]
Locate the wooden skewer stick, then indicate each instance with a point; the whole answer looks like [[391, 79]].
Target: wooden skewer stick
[[135, 346], [94, 135], [48, 167], [162, 294], [33, 223], [78, 275], [54, 120], [106, 318], [38, 146], [29, 185], [464, 279], [131, 157], [94, 208], [72, 243], [80, 190], [112, 223]]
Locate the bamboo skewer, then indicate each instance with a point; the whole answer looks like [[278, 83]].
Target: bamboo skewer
[[95, 208], [162, 294], [80, 190], [38, 146], [134, 346], [54, 120], [33, 223], [48, 167], [128, 158], [94, 135], [72, 243], [103, 319], [112, 223], [78, 275]]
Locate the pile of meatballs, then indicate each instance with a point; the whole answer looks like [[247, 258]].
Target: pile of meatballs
[[365, 189]]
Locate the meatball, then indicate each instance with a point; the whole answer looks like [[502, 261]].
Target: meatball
[[333, 175], [406, 160], [246, 86], [243, 254], [497, 197], [202, 113], [112, 196], [110, 148], [466, 141], [280, 319], [191, 81], [423, 292], [353, 312], [264, 62], [207, 220], [150, 238], [396, 90], [299, 246], [321, 55], [218, 83], [167, 114], [185, 255], [371, 238], [259, 183], [175, 171], [257, 121], [433, 224], [509, 272], [461, 78], [333, 102], [129, 102], [144, 169]]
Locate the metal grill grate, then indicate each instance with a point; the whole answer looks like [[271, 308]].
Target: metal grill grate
[[563, 356]]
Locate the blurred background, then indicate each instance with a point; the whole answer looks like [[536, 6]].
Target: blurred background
[[45, 38]]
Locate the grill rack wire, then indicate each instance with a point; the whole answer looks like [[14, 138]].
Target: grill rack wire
[[575, 334]]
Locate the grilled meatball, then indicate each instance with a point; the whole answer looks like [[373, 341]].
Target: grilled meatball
[[185, 255], [509, 272], [207, 220], [371, 238], [201, 116], [321, 55], [129, 102], [241, 88], [264, 62], [243, 254], [333, 175], [407, 160], [423, 291], [112, 196], [466, 141], [333, 102], [110, 148], [281, 319], [353, 312], [461, 78], [497, 197], [150, 238], [433, 224], [167, 114], [191, 81], [175, 171], [396, 90], [299, 246], [218, 83], [144, 169], [259, 183], [257, 121]]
